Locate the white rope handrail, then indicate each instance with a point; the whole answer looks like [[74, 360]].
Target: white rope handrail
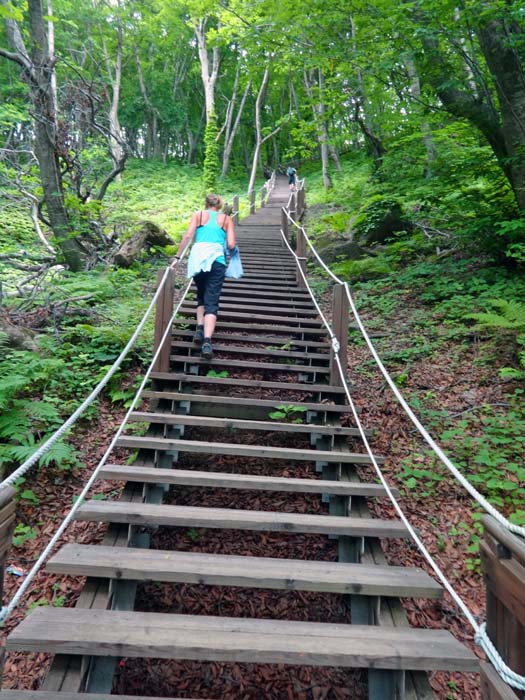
[[481, 637], [8, 609], [46, 446], [476, 495]]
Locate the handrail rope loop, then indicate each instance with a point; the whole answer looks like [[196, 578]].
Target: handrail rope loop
[[481, 637], [6, 611], [46, 446], [476, 495]]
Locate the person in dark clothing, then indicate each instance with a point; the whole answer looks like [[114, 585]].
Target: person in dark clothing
[[207, 265], [292, 177]]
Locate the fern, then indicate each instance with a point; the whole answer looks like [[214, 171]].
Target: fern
[[511, 316]]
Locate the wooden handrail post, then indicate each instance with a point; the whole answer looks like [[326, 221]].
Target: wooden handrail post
[[7, 525], [340, 326], [252, 201], [263, 193], [301, 255], [293, 206], [503, 563], [235, 216], [284, 224], [163, 315], [301, 203]]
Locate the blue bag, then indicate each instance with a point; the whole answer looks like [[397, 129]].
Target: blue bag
[[234, 269]]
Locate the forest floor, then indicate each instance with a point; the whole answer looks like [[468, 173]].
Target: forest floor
[[439, 509], [450, 375]]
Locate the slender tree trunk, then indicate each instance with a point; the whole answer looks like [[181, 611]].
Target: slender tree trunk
[[334, 155], [503, 127], [258, 128], [497, 39], [228, 143], [323, 132], [415, 91], [319, 113], [209, 74], [38, 69]]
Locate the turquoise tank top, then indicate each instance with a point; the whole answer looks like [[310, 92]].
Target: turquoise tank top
[[211, 233]]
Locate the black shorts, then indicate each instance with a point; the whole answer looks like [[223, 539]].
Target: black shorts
[[291, 179], [209, 287]]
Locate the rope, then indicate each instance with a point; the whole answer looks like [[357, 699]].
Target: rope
[[46, 446], [481, 637], [476, 495], [6, 611]]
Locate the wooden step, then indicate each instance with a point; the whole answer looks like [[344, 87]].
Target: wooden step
[[286, 312], [253, 383], [270, 404], [246, 301], [268, 327], [187, 477], [239, 424], [150, 515], [44, 695], [292, 296], [249, 364], [158, 635], [245, 350], [135, 442], [259, 339], [253, 572], [293, 321]]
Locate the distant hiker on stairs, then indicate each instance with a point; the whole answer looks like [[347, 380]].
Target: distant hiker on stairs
[[207, 265]]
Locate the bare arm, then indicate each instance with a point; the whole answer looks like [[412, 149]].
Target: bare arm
[[187, 238], [230, 233]]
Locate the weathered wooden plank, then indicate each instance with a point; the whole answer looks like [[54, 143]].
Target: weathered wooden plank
[[285, 313], [250, 364], [190, 516], [157, 635], [253, 383], [240, 424], [492, 686], [240, 401], [230, 570], [514, 544], [265, 351], [239, 450], [268, 327], [248, 319], [186, 477], [247, 338]]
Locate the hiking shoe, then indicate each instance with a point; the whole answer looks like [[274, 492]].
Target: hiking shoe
[[198, 337], [207, 349]]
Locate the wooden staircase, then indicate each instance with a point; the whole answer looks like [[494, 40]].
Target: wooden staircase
[[275, 351]]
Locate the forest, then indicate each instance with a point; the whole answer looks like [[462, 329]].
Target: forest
[[407, 121]]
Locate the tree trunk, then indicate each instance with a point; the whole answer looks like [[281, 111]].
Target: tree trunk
[[228, 143], [209, 76], [148, 233], [39, 69], [319, 114], [323, 133], [497, 39], [415, 91], [334, 155], [504, 130]]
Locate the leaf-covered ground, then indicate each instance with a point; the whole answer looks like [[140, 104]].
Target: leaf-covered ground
[[449, 373]]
